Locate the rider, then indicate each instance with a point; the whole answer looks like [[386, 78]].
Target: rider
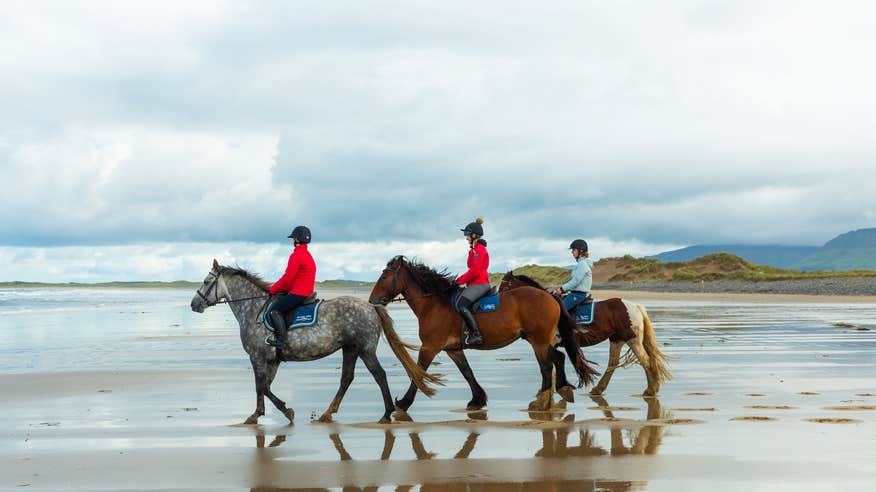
[[476, 279], [297, 283], [582, 275]]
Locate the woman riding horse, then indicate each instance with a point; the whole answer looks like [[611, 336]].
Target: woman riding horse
[[297, 282], [476, 279], [582, 276]]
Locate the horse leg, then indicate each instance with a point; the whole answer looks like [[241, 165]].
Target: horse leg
[[260, 371], [542, 400], [478, 395], [424, 360], [614, 351], [373, 365], [564, 387], [348, 370], [280, 404], [645, 361]]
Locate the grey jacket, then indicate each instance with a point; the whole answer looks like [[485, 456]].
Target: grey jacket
[[582, 276]]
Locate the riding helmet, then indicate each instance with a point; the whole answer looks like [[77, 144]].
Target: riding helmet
[[579, 244], [474, 227], [301, 233]]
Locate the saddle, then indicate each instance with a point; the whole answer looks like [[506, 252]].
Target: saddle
[[304, 315], [582, 308], [487, 303]]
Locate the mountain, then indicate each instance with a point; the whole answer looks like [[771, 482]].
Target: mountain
[[773, 255], [855, 250]]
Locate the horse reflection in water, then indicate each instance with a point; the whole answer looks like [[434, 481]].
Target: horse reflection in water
[[645, 440]]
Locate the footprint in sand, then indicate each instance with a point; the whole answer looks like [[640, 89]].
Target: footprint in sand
[[852, 408], [834, 421], [676, 421], [754, 418], [808, 393], [697, 393], [614, 409], [755, 394], [770, 407]]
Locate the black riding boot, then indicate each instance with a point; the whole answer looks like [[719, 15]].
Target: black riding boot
[[279, 323], [473, 337]]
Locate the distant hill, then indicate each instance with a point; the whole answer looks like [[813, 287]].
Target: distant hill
[[772, 255], [718, 266], [849, 251]]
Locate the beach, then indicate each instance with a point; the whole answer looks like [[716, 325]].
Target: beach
[[127, 389]]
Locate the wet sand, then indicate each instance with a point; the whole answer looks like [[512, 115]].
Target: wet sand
[[767, 395]]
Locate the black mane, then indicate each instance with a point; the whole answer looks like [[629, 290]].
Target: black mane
[[252, 277], [442, 284], [526, 279]]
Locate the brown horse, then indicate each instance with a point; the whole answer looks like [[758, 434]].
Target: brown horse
[[622, 322], [523, 313]]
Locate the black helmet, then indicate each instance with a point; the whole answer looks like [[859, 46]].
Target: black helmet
[[474, 227], [579, 244], [301, 233]]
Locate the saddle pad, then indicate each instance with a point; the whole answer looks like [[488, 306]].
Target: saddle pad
[[486, 304], [304, 315], [584, 313]]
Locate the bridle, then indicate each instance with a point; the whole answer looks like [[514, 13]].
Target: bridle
[[383, 300], [214, 284]]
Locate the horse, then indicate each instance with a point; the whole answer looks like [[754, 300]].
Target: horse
[[346, 323], [523, 313], [622, 322]]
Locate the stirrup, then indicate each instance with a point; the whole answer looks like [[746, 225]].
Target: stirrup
[[272, 343]]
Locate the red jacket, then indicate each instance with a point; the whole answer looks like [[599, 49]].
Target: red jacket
[[478, 262], [300, 274]]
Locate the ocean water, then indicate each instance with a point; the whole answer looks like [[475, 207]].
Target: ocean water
[[727, 357]]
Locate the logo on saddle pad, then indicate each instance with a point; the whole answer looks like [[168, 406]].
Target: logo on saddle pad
[[305, 315]]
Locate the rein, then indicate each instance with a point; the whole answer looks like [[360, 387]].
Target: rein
[[213, 285]]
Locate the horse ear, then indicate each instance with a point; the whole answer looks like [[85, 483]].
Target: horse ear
[[215, 264]]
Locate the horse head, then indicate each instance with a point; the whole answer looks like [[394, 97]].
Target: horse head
[[388, 286], [211, 291]]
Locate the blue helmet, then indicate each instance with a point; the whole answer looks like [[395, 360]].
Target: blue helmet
[[301, 233]]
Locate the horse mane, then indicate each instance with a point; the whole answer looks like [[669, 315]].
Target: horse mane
[[252, 277], [442, 284], [526, 279]]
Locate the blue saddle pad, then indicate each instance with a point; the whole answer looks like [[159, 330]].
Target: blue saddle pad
[[305, 315], [584, 313], [486, 304]]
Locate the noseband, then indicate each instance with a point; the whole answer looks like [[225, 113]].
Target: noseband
[[384, 300]]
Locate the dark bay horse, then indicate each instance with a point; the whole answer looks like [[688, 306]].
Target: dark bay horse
[[523, 313], [345, 323], [621, 322]]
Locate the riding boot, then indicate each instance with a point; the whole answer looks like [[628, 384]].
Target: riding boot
[[279, 323], [473, 337]]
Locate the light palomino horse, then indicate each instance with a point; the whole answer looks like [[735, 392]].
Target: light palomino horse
[[345, 323], [621, 322]]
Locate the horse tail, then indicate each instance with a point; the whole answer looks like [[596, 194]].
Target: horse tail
[[659, 360], [566, 327], [419, 377]]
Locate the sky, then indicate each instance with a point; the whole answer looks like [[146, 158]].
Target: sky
[[140, 140]]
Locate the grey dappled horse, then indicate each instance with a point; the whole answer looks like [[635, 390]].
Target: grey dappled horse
[[347, 323]]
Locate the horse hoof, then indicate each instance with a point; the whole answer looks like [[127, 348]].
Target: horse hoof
[[290, 414], [402, 416], [325, 419], [384, 420], [567, 393], [251, 420]]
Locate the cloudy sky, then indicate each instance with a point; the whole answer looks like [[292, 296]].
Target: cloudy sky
[[138, 140]]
